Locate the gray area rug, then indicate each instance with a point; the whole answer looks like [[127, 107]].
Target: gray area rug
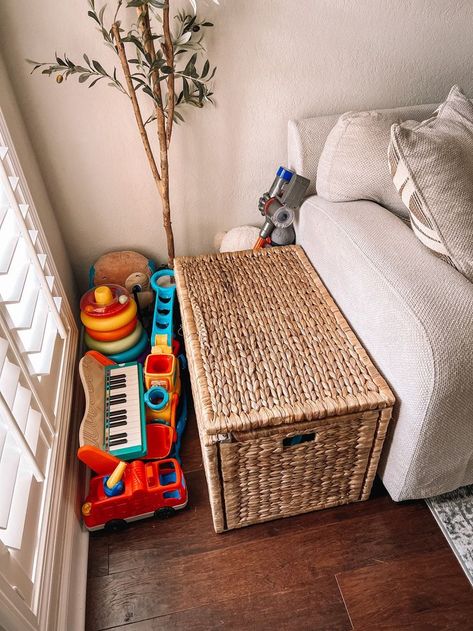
[[454, 514]]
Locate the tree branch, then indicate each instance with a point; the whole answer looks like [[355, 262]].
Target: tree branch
[[168, 49], [136, 107]]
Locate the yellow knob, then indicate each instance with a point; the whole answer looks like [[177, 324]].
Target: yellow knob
[[86, 508], [103, 295]]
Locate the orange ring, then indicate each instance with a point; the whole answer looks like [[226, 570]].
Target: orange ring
[[111, 336], [110, 323]]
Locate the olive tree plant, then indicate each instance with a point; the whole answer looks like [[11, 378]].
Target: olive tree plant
[[163, 64]]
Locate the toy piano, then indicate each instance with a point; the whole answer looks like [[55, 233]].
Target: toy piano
[[114, 418]]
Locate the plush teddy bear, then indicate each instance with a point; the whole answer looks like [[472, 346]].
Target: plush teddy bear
[[241, 238]]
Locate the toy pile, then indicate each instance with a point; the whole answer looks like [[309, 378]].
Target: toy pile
[[131, 432]]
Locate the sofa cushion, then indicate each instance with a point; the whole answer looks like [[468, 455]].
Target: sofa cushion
[[432, 167], [353, 162]]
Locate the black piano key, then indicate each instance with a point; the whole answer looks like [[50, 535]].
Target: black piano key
[[114, 443], [117, 413], [121, 417], [117, 398], [116, 436], [117, 423], [117, 386], [113, 377]]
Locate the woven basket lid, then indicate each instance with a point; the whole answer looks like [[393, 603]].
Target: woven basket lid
[[267, 344]]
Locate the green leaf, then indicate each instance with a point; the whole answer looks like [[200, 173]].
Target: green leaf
[[200, 88], [93, 15], [185, 89], [205, 69], [166, 70], [83, 78], [101, 12], [98, 67], [190, 64], [95, 81], [207, 24]]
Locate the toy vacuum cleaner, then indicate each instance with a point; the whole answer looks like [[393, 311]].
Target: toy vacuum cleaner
[[278, 206]]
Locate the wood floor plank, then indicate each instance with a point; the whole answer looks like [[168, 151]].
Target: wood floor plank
[[424, 591], [98, 557], [191, 532], [156, 584], [291, 610]]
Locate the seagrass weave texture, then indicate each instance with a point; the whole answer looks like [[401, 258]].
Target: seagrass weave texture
[[271, 357]]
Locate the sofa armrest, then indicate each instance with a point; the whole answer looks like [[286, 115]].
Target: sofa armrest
[[414, 314]]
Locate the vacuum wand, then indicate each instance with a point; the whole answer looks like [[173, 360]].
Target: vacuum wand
[[277, 207]]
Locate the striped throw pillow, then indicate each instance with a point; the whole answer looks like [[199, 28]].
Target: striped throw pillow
[[431, 164]]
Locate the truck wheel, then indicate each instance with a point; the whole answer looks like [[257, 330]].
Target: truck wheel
[[164, 513], [115, 525]]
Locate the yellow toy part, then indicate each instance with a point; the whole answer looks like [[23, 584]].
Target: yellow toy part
[[117, 475], [110, 323], [116, 347], [162, 370], [166, 414], [158, 404], [103, 295], [161, 346]]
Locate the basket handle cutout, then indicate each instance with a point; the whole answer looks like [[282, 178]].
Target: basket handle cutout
[[297, 440]]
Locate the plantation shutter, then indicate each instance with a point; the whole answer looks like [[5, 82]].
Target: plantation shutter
[[35, 341]]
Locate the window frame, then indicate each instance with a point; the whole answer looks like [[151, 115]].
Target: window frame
[[58, 520]]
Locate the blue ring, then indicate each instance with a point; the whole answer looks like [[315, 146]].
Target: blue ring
[[155, 390], [160, 274], [132, 353]]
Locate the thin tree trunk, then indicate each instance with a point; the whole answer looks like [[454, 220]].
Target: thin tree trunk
[[145, 26]]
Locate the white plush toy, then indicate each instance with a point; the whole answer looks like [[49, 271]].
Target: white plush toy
[[241, 238]]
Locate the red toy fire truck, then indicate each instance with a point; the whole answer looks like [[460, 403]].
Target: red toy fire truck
[[130, 491]]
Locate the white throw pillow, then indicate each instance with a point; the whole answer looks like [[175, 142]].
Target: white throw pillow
[[353, 162], [432, 167]]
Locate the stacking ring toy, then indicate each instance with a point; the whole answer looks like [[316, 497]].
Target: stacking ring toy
[[104, 300], [133, 353], [111, 336], [111, 323], [156, 398], [118, 346]]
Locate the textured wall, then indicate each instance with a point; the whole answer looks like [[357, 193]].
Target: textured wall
[[276, 60]]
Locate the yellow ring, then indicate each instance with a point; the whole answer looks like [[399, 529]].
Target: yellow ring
[[113, 322], [119, 346]]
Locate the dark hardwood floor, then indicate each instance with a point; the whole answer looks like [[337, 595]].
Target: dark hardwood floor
[[372, 565]]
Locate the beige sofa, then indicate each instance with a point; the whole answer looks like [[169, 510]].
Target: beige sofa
[[413, 313]]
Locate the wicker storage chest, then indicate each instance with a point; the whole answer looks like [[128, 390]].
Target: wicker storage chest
[[292, 413]]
